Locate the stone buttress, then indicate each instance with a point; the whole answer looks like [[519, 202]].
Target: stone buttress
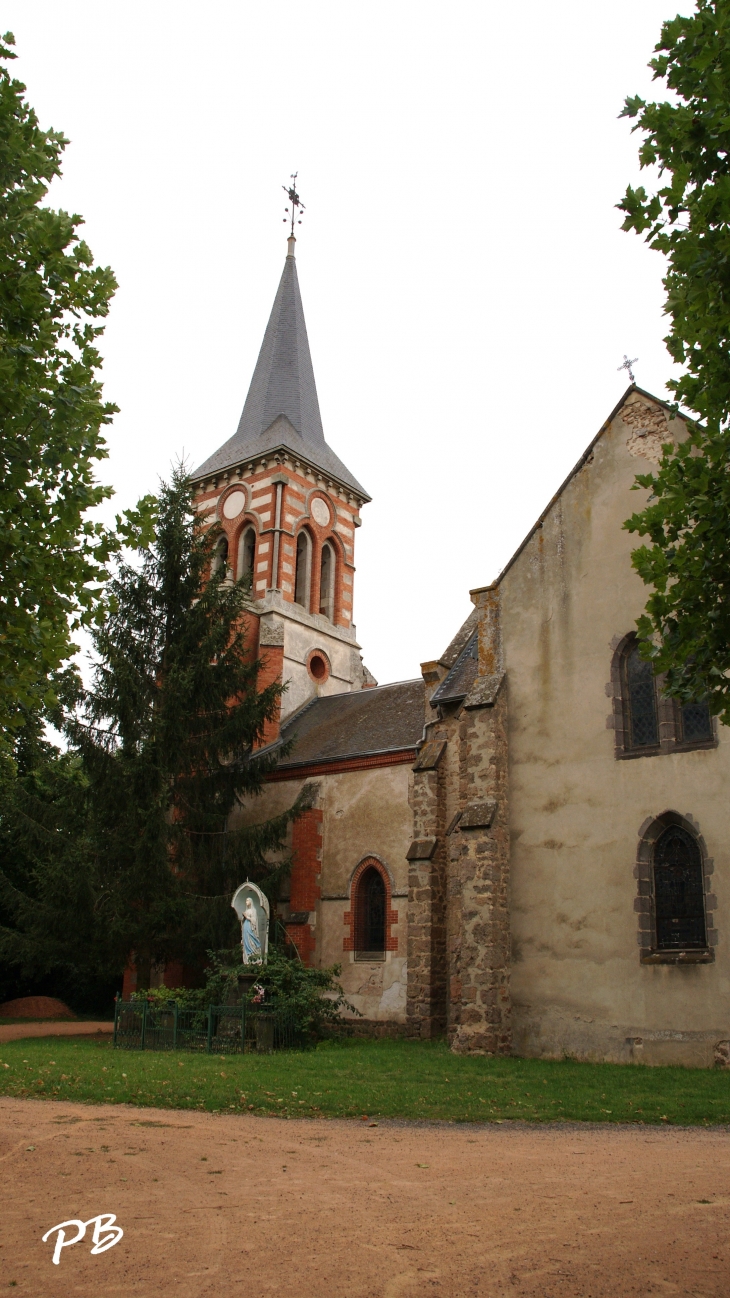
[[459, 927]]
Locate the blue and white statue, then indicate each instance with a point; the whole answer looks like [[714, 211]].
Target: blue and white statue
[[252, 909], [250, 934]]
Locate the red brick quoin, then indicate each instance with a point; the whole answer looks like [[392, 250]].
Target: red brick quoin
[[306, 867], [391, 916]]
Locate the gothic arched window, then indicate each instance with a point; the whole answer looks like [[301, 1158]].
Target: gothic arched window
[[246, 553], [303, 569], [327, 582], [678, 892], [370, 915]]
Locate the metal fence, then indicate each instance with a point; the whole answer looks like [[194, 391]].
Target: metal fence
[[216, 1030]]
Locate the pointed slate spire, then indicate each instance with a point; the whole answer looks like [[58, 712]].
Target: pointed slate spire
[[281, 407]]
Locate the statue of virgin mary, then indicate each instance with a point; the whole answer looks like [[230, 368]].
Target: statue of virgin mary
[[250, 934], [252, 909]]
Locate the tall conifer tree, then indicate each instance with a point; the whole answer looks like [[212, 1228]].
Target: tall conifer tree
[[165, 744], [168, 742]]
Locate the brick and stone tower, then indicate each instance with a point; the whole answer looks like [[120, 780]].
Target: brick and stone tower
[[289, 509]]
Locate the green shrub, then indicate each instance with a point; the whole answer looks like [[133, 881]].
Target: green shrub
[[313, 997]]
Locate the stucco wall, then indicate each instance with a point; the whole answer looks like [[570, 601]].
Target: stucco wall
[[296, 634], [576, 812], [365, 813]]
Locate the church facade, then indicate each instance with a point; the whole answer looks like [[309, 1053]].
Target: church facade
[[524, 847]]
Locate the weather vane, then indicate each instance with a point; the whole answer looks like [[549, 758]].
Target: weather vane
[[627, 366], [297, 205]]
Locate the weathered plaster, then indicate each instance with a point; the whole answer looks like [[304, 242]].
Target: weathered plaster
[[575, 811], [364, 813]]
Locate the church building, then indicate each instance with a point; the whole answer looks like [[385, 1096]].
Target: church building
[[523, 848]]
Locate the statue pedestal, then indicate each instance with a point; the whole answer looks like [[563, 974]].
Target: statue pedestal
[[248, 977], [263, 1023]]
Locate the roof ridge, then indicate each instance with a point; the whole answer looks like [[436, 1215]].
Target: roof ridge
[[633, 387]]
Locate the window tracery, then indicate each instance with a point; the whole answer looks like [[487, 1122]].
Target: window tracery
[[675, 903], [645, 721]]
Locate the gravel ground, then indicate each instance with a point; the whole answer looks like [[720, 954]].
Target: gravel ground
[[217, 1205]]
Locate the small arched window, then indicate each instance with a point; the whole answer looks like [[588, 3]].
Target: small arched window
[[220, 555], [679, 892], [246, 553], [303, 569], [370, 918], [327, 582]]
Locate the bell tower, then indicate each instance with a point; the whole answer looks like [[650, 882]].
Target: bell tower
[[289, 510]]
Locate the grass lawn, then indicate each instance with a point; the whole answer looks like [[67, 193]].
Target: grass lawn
[[394, 1079]]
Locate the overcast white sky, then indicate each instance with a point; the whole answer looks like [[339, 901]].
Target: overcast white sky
[[468, 291]]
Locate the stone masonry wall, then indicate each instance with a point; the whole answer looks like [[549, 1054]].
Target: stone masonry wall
[[426, 997], [458, 909], [479, 848], [478, 872]]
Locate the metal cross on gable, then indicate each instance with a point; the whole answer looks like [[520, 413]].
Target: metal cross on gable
[[297, 205], [627, 365]]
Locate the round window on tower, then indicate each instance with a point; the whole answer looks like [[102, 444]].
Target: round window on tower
[[234, 504], [318, 666], [320, 511]]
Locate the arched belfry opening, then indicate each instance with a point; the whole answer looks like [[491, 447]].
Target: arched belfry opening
[[327, 582], [220, 555], [303, 573], [246, 554]]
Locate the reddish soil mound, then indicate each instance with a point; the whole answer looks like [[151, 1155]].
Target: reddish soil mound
[[35, 1007]]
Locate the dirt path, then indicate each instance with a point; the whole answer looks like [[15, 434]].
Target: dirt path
[[219, 1206], [16, 1031]]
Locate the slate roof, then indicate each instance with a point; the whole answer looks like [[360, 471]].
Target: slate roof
[[458, 682], [282, 408], [385, 719], [463, 635]]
